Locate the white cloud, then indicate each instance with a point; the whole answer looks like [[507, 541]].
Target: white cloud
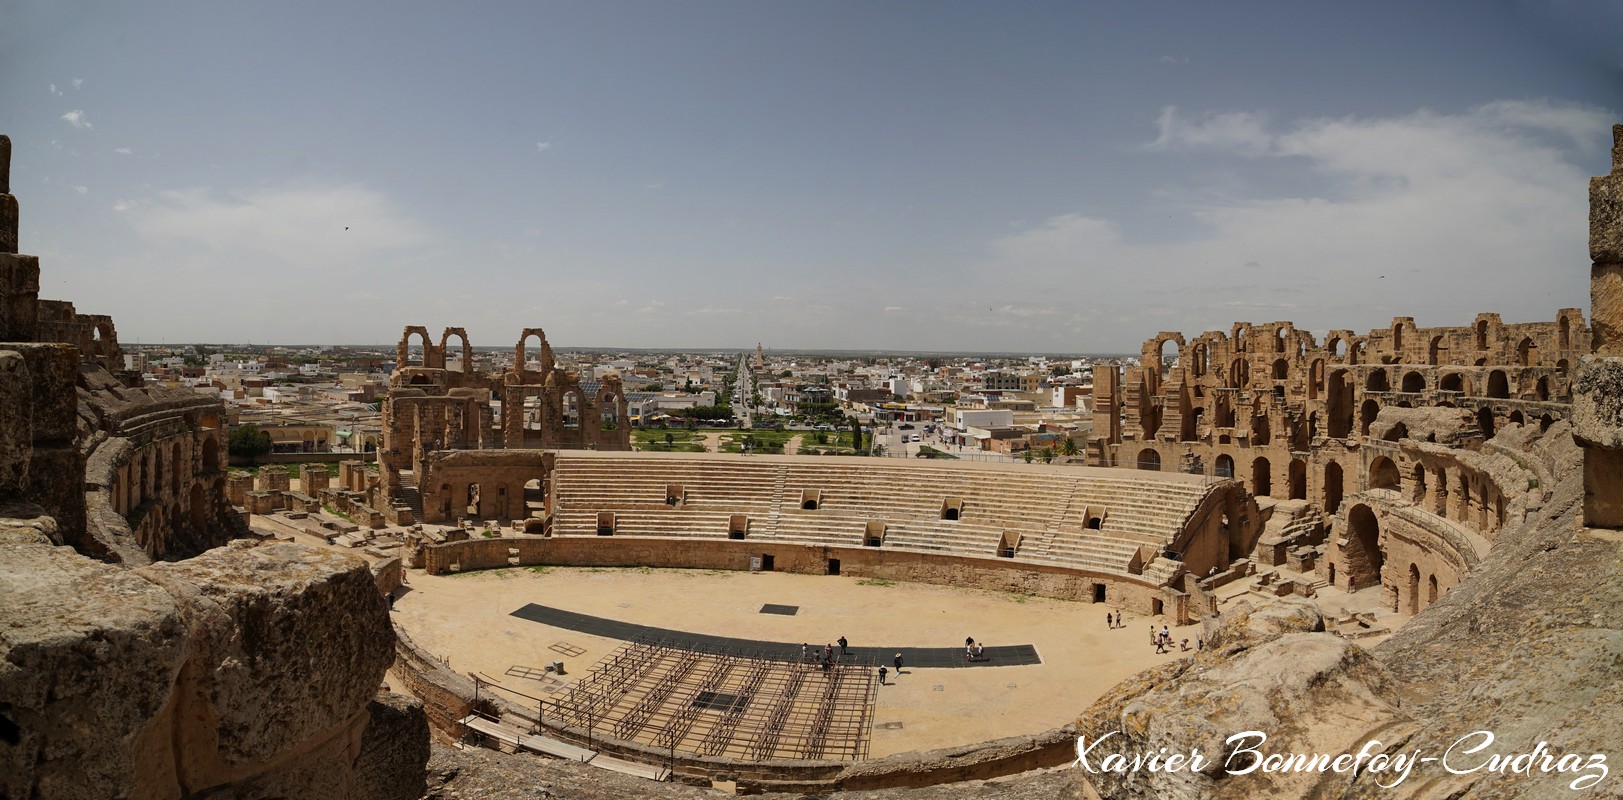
[[122, 205], [55, 91], [542, 147], [1241, 131], [82, 189], [1461, 211], [296, 225], [893, 309], [123, 151], [78, 82], [76, 118]]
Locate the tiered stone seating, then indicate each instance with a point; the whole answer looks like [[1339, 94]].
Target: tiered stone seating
[[1046, 508]]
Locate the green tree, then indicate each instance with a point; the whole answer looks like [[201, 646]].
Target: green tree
[[856, 434], [1027, 455], [249, 442], [1047, 455], [670, 439], [1067, 447]]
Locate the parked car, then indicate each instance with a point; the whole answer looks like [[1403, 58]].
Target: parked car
[[904, 427]]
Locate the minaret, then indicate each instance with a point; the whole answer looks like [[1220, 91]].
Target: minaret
[[1597, 393], [760, 358]]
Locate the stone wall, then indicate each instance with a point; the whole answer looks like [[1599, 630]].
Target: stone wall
[[693, 553], [249, 667]]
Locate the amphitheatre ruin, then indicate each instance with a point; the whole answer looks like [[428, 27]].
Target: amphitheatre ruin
[[1403, 535]]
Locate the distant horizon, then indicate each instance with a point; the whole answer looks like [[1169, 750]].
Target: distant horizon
[[833, 352]]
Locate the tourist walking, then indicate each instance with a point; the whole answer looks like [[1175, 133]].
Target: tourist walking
[[881, 675], [843, 649], [898, 662]]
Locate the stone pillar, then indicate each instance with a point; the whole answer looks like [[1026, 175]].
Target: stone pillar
[[1597, 393], [273, 479], [237, 487], [313, 478]]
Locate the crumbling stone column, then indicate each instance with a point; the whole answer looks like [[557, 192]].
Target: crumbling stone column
[[1597, 394]]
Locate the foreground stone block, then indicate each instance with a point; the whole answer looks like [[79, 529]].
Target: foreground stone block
[[89, 655], [291, 644]]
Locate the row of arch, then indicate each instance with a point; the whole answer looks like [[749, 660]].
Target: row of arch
[[1343, 347], [161, 469]]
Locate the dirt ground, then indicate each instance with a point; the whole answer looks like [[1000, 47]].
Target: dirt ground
[[466, 619]]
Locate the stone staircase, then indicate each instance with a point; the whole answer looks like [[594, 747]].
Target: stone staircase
[[408, 495]]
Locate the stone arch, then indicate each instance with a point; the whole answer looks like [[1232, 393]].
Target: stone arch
[[1484, 422], [199, 509], [1498, 384], [175, 460], [1364, 559], [1452, 382], [1481, 334], [1413, 595], [1383, 474], [1414, 382], [1376, 381], [1197, 360], [1224, 466], [1239, 374], [570, 406], [1434, 351], [1298, 479], [1259, 423], [610, 416], [521, 355], [1562, 366], [403, 350], [1541, 390], [1366, 416], [1397, 433], [1332, 487], [1156, 349], [1149, 459], [1431, 590], [1335, 346], [1527, 352], [1261, 477], [1225, 410], [1397, 337], [1417, 485], [467, 348], [1338, 405], [1516, 418], [211, 454], [1544, 422], [1282, 369], [1315, 378]]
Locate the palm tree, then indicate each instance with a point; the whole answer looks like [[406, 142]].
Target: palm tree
[[1067, 447]]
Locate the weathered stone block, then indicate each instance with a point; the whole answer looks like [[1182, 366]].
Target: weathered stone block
[[19, 296], [8, 223], [290, 643], [88, 658], [1606, 219], [1597, 402], [394, 750]]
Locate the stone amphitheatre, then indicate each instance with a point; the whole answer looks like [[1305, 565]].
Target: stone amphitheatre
[[1405, 535]]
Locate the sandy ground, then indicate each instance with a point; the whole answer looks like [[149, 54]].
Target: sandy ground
[[465, 618]]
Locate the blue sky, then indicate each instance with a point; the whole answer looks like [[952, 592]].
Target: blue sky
[[1056, 177]]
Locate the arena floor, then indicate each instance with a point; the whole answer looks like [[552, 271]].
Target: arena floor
[[467, 619]]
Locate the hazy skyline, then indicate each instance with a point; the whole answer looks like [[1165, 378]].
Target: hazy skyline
[[904, 176]]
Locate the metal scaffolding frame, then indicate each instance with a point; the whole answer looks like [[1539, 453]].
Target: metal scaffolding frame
[[750, 706]]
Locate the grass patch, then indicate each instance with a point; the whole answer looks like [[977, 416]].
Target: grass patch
[[764, 441], [876, 582], [654, 441], [327, 507], [930, 452], [538, 570]]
